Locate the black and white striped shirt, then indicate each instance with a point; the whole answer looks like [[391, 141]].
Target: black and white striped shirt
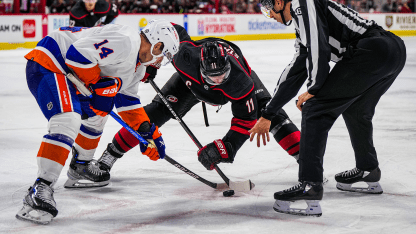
[[323, 31]]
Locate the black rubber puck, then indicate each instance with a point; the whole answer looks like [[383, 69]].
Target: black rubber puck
[[228, 193]]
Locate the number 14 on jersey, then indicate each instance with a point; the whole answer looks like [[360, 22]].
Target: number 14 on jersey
[[104, 50]]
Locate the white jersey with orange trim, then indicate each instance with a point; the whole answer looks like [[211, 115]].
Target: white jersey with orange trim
[[92, 53]]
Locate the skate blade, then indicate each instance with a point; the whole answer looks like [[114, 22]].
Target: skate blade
[[29, 214], [373, 188], [313, 209], [70, 183], [243, 186]]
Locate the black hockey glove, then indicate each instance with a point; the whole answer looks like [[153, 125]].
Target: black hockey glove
[[151, 72], [214, 153]]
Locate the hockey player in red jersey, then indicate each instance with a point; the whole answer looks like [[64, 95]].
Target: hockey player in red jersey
[[214, 71], [90, 13], [110, 60]]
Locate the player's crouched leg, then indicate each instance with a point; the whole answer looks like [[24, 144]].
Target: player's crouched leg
[[84, 171]]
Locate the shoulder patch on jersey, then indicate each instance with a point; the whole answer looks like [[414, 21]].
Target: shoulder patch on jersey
[[186, 57], [298, 11]]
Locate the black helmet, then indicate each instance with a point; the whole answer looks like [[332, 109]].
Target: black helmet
[[215, 63]]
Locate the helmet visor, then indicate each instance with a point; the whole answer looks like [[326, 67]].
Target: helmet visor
[[268, 5], [167, 58], [217, 79], [265, 12]]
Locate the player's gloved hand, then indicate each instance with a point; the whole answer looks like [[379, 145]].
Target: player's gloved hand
[[151, 72], [104, 91], [214, 153], [156, 147]]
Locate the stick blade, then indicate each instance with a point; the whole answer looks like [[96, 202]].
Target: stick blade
[[243, 186]]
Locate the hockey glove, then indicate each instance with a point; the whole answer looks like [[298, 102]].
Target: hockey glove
[[151, 72], [214, 153], [154, 137], [104, 91]]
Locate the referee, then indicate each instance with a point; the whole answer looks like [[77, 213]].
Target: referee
[[368, 60]]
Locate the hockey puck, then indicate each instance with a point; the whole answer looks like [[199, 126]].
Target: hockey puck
[[228, 193]]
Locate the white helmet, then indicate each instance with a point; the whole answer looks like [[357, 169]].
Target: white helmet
[[162, 31]]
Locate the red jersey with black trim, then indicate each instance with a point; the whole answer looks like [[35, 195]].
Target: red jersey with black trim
[[80, 17]]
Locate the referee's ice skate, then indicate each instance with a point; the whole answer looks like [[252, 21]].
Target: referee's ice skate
[[85, 174], [347, 178], [310, 192], [38, 205]]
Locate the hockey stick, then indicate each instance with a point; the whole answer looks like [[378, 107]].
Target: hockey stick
[[237, 186], [204, 110], [86, 92]]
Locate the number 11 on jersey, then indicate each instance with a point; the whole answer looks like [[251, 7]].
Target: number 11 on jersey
[[250, 105]]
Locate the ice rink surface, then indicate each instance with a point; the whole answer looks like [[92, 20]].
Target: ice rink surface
[[155, 197]]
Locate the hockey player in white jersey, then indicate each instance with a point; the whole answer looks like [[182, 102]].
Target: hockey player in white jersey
[[110, 60]]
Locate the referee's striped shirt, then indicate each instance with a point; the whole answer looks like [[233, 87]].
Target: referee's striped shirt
[[323, 31]]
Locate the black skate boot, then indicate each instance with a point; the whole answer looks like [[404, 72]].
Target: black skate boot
[[347, 178], [310, 192], [38, 205], [109, 157], [85, 174]]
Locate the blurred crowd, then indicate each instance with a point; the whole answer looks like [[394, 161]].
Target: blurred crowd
[[169, 6], [207, 6]]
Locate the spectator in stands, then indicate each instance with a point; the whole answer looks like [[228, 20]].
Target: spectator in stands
[[397, 6], [256, 5], [387, 7], [240, 7], [406, 8], [59, 6], [250, 7]]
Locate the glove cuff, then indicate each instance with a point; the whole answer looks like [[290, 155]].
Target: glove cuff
[[156, 132], [221, 148]]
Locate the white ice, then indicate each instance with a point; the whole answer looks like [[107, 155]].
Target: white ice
[[155, 197]]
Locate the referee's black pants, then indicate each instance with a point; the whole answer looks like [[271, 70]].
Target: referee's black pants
[[353, 89]]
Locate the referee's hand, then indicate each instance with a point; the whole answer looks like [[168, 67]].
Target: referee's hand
[[302, 99]]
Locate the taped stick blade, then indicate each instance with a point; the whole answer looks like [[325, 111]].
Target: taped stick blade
[[243, 186]]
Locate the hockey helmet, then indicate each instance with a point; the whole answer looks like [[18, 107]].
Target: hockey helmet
[[215, 63], [162, 31], [268, 5]]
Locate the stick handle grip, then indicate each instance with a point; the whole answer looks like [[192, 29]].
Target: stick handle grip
[[80, 85]]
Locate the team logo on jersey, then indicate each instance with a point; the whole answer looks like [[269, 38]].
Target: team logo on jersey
[[188, 84], [172, 98], [49, 106], [389, 21], [298, 11], [206, 87]]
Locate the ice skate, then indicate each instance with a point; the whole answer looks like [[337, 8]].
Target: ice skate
[[347, 178], [107, 160], [310, 192], [38, 205], [85, 174]]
